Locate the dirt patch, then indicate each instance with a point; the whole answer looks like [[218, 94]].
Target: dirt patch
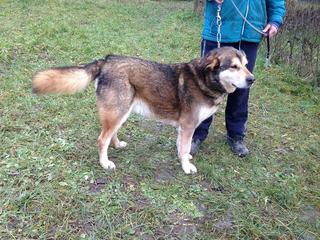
[[206, 215], [308, 236], [177, 226], [225, 223], [139, 202], [82, 225], [310, 214], [130, 183], [14, 222], [98, 185], [164, 175], [212, 188], [51, 232], [140, 234]]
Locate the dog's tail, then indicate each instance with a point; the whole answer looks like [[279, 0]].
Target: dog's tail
[[66, 79]]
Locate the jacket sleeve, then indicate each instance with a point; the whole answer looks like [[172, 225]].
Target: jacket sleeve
[[275, 11]]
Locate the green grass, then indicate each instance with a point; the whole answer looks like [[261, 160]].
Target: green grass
[[51, 185]]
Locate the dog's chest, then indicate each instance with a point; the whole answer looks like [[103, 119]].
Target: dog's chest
[[206, 111]]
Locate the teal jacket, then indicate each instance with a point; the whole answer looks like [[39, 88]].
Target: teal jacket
[[234, 28]]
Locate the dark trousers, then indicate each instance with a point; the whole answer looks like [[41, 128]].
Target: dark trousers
[[236, 113]]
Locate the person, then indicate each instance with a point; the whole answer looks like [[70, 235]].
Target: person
[[265, 15]]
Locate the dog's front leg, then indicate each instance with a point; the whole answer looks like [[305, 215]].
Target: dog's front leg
[[184, 145]]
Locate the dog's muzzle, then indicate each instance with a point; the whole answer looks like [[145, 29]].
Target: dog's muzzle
[[250, 80]]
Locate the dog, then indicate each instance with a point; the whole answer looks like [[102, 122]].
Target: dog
[[182, 94]]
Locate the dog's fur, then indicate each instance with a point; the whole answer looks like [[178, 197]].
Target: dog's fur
[[182, 94]]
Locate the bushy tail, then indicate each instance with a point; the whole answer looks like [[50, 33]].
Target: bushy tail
[[66, 79]]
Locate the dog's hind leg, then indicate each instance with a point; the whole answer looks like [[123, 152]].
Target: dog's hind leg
[[116, 143], [111, 121], [184, 145]]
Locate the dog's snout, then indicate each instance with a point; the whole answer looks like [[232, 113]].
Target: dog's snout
[[250, 80]]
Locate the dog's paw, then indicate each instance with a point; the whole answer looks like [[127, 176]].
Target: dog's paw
[[189, 168], [121, 144], [189, 156], [108, 164]]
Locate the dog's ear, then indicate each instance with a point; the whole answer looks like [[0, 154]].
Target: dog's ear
[[213, 63], [210, 61]]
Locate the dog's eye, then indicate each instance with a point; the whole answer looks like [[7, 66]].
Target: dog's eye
[[234, 66]]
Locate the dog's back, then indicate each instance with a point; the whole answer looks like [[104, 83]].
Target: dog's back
[[153, 85]]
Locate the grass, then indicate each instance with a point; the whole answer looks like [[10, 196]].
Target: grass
[[51, 185]]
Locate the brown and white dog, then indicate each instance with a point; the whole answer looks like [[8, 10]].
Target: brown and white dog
[[181, 94]]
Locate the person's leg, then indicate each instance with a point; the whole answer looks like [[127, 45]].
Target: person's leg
[[236, 113]]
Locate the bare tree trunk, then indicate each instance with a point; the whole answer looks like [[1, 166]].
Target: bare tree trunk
[[196, 5]]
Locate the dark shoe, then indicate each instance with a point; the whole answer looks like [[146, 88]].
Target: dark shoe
[[195, 145], [238, 146]]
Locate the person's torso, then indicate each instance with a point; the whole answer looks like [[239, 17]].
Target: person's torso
[[234, 28]]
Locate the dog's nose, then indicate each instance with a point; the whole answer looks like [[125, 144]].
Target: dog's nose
[[250, 80]]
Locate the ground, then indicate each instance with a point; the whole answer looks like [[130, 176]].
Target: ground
[[51, 185]]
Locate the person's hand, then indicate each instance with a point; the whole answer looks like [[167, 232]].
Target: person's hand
[[270, 30], [219, 1]]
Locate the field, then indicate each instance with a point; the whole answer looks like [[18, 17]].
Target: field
[[51, 185]]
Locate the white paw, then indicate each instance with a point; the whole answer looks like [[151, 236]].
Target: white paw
[[108, 164], [121, 144], [189, 168], [189, 156]]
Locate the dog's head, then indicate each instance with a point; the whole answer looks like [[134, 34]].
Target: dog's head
[[225, 69]]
